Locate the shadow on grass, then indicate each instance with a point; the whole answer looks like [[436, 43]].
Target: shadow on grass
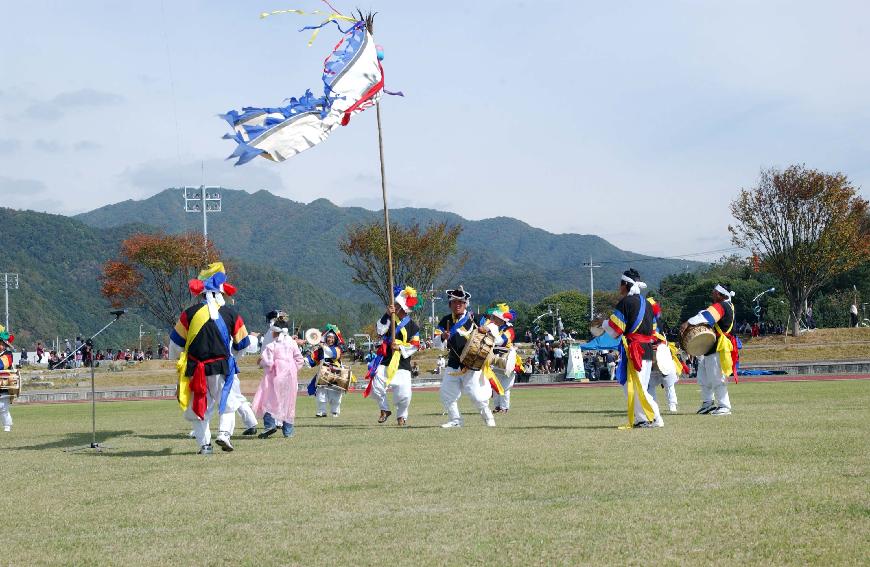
[[116, 453], [563, 427], [73, 440], [600, 412], [180, 435]]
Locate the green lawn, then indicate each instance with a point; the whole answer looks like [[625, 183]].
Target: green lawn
[[782, 481]]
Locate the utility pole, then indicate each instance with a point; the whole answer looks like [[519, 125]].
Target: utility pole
[[591, 267], [9, 281], [141, 334]]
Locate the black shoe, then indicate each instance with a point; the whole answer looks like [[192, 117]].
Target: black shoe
[[267, 433], [642, 424], [250, 431], [319, 415]]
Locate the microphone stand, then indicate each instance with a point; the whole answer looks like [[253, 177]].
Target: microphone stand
[[93, 445]]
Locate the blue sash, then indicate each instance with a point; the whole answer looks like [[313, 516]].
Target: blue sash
[[387, 340], [622, 369], [459, 324], [231, 360]]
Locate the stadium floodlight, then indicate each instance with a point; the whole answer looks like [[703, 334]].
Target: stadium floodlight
[[202, 199], [8, 281]]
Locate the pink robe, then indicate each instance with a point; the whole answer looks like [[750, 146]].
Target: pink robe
[[276, 394]]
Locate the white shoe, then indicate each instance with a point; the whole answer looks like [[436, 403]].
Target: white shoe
[[7, 428], [672, 408], [450, 424], [487, 416], [658, 422], [721, 411], [223, 441]]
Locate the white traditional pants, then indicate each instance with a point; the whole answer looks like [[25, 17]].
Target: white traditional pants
[[455, 382], [244, 410], [5, 414], [226, 420], [401, 386], [503, 401], [644, 375], [668, 381], [712, 381], [332, 397]]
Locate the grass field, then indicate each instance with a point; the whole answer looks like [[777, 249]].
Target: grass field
[[782, 481]]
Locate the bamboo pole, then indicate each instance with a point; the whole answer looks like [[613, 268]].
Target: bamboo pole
[[386, 219]]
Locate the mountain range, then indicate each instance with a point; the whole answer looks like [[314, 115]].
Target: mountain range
[[507, 257], [284, 253]]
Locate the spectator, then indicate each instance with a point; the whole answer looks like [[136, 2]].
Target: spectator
[[557, 358], [543, 359], [40, 352], [853, 316], [610, 360], [415, 370]]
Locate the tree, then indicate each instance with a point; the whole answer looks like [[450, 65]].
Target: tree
[[153, 271], [807, 227], [419, 255], [573, 310]]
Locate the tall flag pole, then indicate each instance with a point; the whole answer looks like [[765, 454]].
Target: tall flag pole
[[370, 25], [353, 80]]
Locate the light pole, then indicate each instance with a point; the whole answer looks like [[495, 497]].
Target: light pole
[[591, 266], [432, 300], [141, 334], [757, 307], [9, 280], [202, 199]]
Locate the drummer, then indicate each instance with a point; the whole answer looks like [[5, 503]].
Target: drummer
[[667, 360], [500, 326], [6, 340], [454, 331], [721, 360], [632, 320], [328, 353]]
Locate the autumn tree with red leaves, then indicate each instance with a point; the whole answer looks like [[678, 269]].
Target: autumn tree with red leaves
[[807, 227], [153, 270]]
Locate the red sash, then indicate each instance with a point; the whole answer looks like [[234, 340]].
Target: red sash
[[635, 347], [198, 385]]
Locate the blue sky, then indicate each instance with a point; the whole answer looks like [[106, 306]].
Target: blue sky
[[638, 121]]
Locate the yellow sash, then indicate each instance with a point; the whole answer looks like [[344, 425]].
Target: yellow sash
[[200, 318], [724, 348], [396, 357]]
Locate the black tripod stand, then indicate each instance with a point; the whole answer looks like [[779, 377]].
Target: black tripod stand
[[94, 445]]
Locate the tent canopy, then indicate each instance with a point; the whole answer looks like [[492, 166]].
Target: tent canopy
[[604, 342]]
